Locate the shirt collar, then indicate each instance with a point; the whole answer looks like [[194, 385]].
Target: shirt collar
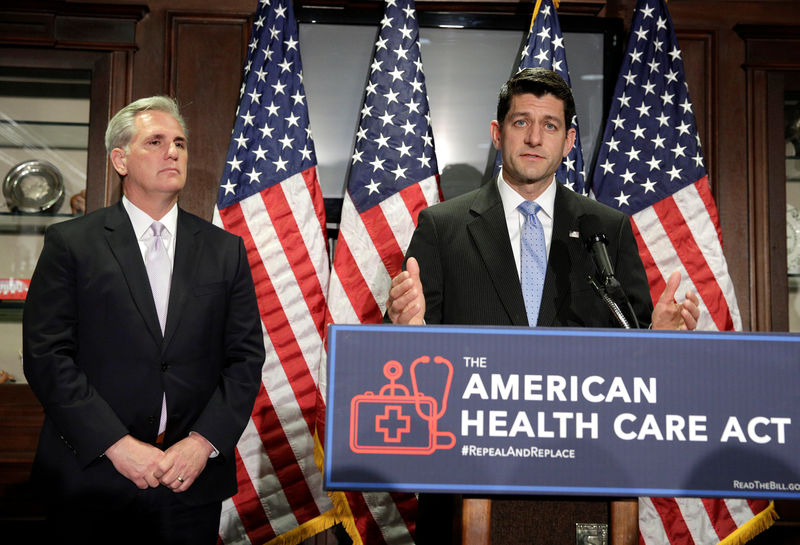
[[511, 199], [141, 221]]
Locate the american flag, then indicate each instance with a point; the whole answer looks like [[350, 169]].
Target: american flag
[[270, 196], [393, 173], [544, 48], [650, 166], [393, 176]]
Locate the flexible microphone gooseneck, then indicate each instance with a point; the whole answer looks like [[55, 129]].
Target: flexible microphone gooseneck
[[609, 288]]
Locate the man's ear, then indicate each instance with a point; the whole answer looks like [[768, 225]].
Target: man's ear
[[120, 161], [494, 130], [571, 133]]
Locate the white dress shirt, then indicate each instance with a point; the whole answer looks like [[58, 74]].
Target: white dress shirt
[[514, 218], [141, 225]]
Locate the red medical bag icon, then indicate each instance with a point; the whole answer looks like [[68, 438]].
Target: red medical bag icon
[[394, 421]]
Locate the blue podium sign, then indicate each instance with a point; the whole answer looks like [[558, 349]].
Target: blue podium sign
[[563, 411]]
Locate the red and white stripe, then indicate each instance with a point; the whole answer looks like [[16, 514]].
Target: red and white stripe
[[682, 232], [694, 521], [369, 252], [284, 233]]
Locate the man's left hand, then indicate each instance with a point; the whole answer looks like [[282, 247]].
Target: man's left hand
[[183, 462], [669, 314]]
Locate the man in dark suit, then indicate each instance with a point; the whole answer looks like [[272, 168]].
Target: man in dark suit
[[143, 342], [464, 264]]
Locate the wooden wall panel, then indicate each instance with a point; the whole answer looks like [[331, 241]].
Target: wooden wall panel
[[772, 58], [697, 51], [730, 171], [203, 53], [21, 418]]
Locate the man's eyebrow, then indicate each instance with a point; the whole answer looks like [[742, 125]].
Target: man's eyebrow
[[161, 136], [516, 115], [530, 113]]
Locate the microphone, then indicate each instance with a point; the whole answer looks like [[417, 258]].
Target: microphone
[[611, 291], [596, 242]]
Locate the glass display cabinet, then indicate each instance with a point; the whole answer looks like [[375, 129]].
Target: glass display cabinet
[[44, 136]]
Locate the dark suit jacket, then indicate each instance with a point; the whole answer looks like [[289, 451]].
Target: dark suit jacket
[[469, 276], [95, 357]]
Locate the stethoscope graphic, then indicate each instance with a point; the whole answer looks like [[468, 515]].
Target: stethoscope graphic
[[393, 370]]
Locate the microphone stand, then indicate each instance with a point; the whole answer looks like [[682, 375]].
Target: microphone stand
[[612, 288]]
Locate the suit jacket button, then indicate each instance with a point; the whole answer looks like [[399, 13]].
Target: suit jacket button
[[151, 419], [164, 366]]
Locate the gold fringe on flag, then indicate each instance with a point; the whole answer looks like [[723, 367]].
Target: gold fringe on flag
[[345, 516], [322, 522], [752, 527], [306, 530], [341, 509]]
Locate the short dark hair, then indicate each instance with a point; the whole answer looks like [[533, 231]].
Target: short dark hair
[[539, 82]]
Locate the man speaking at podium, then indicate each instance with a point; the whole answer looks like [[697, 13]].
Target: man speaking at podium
[[512, 252]]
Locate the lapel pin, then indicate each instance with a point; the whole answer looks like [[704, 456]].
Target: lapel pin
[[574, 234]]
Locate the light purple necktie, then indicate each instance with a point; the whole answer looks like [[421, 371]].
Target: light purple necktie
[[159, 269], [533, 260]]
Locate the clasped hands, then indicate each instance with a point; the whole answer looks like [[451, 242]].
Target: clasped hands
[[406, 302], [147, 466]]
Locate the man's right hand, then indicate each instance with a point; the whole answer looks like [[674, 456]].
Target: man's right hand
[[136, 461], [406, 302]]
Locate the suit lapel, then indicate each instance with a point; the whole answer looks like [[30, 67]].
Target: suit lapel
[[187, 253], [563, 246], [490, 234], [122, 241]]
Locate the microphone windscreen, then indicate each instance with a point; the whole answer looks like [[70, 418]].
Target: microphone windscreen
[[590, 228]]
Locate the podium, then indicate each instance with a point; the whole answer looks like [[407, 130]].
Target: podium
[[476, 523], [501, 414]]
